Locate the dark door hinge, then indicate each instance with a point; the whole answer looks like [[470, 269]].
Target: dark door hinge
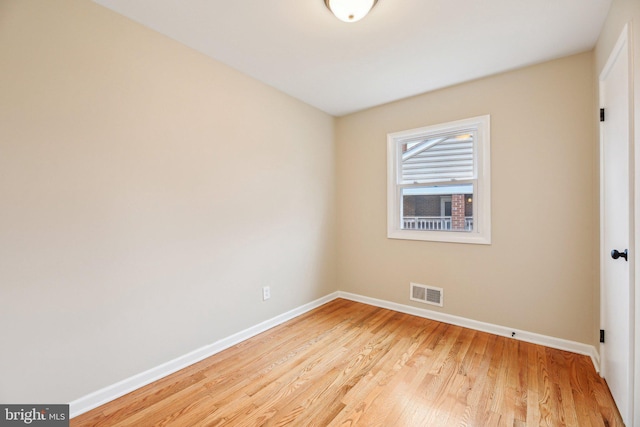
[[602, 114], [602, 335]]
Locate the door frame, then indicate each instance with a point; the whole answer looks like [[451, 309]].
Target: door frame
[[625, 41]]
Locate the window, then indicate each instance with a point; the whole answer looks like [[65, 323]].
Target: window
[[439, 185]]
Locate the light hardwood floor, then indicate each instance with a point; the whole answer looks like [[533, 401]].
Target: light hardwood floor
[[348, 364]]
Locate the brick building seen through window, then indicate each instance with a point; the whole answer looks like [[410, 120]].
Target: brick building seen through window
[[455, 209]]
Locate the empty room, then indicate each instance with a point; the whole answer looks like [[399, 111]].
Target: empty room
[[319, 212]]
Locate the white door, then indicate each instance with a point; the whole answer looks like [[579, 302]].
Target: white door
[[616, 302]]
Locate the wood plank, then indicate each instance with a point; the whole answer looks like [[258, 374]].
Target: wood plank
[[350, 364]]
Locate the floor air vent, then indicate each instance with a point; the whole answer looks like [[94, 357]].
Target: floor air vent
[[426, 294]]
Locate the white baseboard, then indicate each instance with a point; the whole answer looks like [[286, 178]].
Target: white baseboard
[[531, 337], [112, 392], [130, 384]]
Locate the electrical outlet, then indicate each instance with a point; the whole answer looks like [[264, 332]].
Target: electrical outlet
[[266, 293]]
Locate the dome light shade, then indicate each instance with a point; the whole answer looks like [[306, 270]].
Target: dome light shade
[[350, 10]]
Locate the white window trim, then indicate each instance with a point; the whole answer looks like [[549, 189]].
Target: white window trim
[[482, 192]]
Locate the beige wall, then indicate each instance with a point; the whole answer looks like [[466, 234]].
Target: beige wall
[[147, 194], [538, 274]]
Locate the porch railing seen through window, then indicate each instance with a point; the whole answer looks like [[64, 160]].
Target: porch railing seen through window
[[434, 223]]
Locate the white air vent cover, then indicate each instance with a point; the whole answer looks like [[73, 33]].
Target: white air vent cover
[[426, 294]]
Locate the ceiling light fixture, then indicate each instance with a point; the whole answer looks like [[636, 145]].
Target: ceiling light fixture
[[350, 10]]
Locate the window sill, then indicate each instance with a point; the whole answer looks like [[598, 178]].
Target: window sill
[[440, 236]]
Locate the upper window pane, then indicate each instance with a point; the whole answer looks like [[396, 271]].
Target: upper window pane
[[441, 158]]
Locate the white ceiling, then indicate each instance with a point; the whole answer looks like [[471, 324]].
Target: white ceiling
[[403, 48]]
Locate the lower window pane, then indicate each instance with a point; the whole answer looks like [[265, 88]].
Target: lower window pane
[[438, 208]]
